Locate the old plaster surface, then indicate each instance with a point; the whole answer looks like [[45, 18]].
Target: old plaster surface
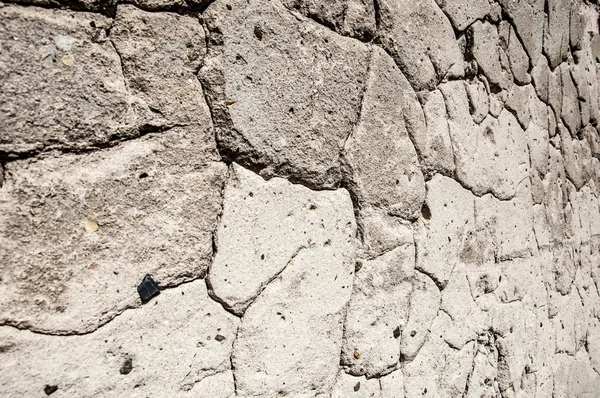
[[341, 198]]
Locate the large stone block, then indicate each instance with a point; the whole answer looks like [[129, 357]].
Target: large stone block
[[79, 232], [62, 85], [160, 65], [250, 254], [421, 40], [382, 165], [304, 81]]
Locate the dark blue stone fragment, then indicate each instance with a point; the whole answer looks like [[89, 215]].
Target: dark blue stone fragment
[[148, 289]]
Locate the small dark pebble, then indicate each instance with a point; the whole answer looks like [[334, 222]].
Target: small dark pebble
[[426, 212], [148, 289], [127, 367], [50, 389], [219, 338], [357, 386], [258, 32], [358, 266], [397, 332]]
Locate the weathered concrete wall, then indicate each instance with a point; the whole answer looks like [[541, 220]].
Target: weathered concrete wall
[[344, 198]]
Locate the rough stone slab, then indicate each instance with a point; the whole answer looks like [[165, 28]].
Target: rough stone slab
[[154, 337], [517, 102], [289, 340], [555, 92], [538, 141], [354, 18], [491, 157], [583, 80], [590, 206], [595, 177], [439, 239], [555, 200], [463, 13], [319, 78], [552, 120], [519, 61], [377, 312], [556, 31], [505, 62], [570, 111], [457, 107], [382, 165], [540, 77], [593, 138], [497, 103], [581, 213], [538, 137], [537, 187], [584, 75], [264, 225], [479, 103], [79, 232], [577, 155], [594, 103], [62, 84], [562, 277], [433, 142], [528, 18], [160, 64], [421, 40], [484, 46], [577, 29], [424, 306]]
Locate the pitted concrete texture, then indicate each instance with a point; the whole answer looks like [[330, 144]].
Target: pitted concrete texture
[[348, 198]]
